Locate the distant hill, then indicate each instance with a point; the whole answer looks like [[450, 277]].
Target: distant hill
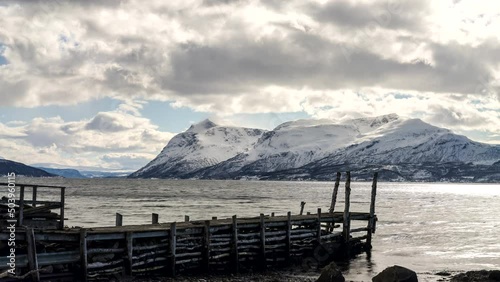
[[64, 172], [401, 149], [7, 167]]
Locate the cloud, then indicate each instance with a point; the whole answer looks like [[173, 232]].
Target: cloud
[[105, 140]]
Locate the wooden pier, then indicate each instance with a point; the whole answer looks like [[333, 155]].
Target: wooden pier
[[169, 249]]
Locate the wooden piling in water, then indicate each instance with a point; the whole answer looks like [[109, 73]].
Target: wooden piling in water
[[302, 204], [186, 218], [347, 215], [335, 192], [371, 221]]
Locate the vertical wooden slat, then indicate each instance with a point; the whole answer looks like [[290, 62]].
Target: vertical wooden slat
[[119, 219], [335, 192], [206, 246], [172, 244], [302, 204], [21, 206], [154, 218], [347, 215], [61, 220], [34, 195], [263, 241], [83, 254], [288, 236], [371, 221], [130, 253], [318, 232], [186, 218], [334, 201], [32, 257], [234, 242]]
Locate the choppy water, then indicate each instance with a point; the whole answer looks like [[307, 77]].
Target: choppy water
[[425, 227]]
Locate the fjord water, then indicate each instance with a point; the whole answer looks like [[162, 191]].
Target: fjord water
[[425, 227]]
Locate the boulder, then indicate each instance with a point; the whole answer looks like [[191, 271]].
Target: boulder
[[396, 274], [331, 273]]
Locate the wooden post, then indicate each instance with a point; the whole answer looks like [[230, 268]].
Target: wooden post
[[335, 191], [32, 257], [154, 218], [33, 198], [119, 219], [186, 218], [83, 254], [308, 213], [206, 246], [21, 206], [172, 244], [61, 220], [347, 215], [272, 214], [214, 218], [371, 221], [263, 241], [288, 236], [235, 245], [302, 204], [334, 201], [130, 253], [318, 235]]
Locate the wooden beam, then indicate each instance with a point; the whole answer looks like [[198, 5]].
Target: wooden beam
[[234, 243], [263, 241], [335, 192], [61, 213], [33, 197], [119, 219], [302, 204], [371, 221], [172, 251], [347, 216], [83, 254], [32, 256], [130, 253], [318, 227], [288, 236], [154, 218], [206, 246], [21, 206]]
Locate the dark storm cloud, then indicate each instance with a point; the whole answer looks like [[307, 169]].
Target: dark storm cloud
[[394, 14]]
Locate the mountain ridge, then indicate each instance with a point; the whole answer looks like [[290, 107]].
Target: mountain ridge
[[302, 149]]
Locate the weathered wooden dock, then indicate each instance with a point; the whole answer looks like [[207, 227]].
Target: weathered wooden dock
[[168, 249]]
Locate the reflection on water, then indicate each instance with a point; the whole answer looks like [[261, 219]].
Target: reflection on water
[[425, 227]]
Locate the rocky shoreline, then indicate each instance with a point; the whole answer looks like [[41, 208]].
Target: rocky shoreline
[[390, 274]]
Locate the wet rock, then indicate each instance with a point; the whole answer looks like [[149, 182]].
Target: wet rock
[[443, 273], [494, 275], [477, 276], [331, 273], [396, 274]]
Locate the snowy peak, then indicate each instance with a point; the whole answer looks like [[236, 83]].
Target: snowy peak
[[406, 149], [202, 126]]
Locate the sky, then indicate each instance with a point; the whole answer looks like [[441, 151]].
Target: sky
[[106, 84]]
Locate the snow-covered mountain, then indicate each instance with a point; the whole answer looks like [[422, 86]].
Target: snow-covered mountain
[[203, 145], [407, 149]]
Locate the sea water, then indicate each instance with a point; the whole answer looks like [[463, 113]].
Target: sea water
[[427, 227]]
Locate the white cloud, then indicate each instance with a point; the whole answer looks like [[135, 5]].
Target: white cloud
[[95, 142]]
